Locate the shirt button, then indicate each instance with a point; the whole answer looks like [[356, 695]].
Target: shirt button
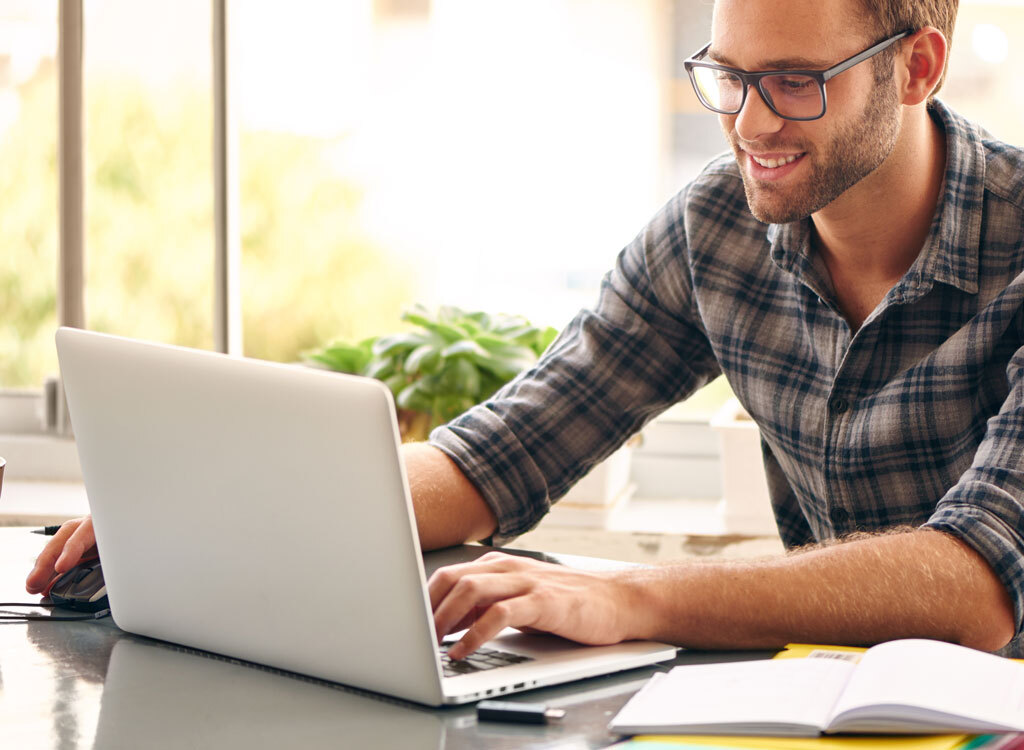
[[839, 516], [838, 405]]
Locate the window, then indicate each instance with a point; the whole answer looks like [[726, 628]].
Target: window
[[28, 193], [488, 155], [148, 109], [484, 154]]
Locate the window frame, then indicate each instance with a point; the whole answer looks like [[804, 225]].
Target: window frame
[[36, 429]]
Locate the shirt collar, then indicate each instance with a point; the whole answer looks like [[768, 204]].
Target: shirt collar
[[950, 253]]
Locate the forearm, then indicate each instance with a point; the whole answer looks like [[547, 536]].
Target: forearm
[[917, 584], [449, 509]]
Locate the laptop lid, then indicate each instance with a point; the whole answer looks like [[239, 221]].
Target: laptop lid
[[253, 509]]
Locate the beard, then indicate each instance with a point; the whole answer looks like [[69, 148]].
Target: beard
[[854, 152]]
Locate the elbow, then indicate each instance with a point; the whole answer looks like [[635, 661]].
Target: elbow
[[993, 625]]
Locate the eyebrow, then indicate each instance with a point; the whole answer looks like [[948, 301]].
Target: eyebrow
[[782, 63]]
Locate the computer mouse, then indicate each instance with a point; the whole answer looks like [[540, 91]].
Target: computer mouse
[[82, 588]]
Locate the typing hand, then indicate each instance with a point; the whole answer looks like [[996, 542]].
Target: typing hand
[[73, 543], [499, 591]]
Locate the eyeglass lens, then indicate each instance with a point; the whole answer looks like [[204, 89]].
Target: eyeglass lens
[[796, 96]]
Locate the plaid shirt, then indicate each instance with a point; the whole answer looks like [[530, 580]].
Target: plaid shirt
[[915, 418]]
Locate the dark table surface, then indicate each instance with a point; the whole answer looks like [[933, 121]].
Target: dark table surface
[[78, 685]]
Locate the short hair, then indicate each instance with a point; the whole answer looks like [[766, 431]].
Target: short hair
[[889, 17]]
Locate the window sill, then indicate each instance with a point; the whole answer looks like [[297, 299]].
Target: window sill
[[41, 503], [40, 457]]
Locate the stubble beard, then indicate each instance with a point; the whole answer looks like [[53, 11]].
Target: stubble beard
[[856, 150]]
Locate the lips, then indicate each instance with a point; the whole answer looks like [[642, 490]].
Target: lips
[[773, 166], [774, 161]]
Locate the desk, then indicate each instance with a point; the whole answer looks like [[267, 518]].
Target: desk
[[79, 685]]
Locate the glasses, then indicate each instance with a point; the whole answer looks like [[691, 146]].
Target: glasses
[[791, 94]]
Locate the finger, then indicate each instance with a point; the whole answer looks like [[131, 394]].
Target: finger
[[475, 592], [443, 579], [43, 569], [81, 541], [508, 613]]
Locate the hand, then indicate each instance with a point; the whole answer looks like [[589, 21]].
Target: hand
[[499, 591], [74, 542]]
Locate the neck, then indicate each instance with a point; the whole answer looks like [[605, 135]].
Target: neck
[[875, 230]]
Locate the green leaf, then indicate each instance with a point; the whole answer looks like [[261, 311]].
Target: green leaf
[[381, 369], [514, 355], [388, 346], [499, 369], [396, 383], [341, 357], [547, 336], [461, 376], [466, 348], [489, 385], [414, 397], [508, 323], [425, 358], [450, 313], [447, 332], [490, 342]]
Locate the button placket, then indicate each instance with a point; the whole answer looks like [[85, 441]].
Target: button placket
[[839, 516], [838, 405]]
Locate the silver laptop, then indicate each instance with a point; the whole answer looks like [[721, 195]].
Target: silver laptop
[[261, 511]]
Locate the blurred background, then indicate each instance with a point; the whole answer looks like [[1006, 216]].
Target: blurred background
[[490, 155]]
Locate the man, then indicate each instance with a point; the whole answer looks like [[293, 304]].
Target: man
[[854, 269]]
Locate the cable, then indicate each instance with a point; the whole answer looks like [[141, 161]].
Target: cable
[[48, 618]]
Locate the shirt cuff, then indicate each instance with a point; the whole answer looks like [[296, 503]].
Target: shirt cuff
[[965, 516]]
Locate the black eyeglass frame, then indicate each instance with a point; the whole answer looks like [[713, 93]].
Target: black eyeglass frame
[[754, 79]]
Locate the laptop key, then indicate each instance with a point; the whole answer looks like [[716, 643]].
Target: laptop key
[[478, 661]]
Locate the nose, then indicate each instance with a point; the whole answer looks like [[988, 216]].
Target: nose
[[756, 119]]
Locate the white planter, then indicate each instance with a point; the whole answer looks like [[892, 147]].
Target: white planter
[[605, 482], [746, 508], [597, 497]]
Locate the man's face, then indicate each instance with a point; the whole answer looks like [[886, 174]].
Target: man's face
[[793, 169]]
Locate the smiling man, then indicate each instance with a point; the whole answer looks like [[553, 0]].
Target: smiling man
[[854, 269]]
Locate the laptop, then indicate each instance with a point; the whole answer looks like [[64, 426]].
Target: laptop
[[261, 511]]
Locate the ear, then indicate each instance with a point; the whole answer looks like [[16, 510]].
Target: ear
[[920, 64]]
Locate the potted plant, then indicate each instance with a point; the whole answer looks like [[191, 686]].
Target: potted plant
[[451, 361]]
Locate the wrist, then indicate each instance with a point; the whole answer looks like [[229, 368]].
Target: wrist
[[636, 605]]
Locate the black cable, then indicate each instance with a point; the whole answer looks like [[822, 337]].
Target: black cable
[[48, 618], [54, 618]]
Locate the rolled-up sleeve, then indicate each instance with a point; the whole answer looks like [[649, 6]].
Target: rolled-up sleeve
[[985, 508], [641, 349]]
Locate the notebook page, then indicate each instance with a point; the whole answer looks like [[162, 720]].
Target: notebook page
[[795, 695], [935, 679]]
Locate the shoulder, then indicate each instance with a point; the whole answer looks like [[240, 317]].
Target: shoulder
[[712, 204], [1003, 162], [1004, 171]]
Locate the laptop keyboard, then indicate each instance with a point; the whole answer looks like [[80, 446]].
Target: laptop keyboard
[[478, 661]]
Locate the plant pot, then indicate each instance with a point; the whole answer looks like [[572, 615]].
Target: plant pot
[[413, 425]]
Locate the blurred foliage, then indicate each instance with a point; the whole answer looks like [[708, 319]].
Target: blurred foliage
[[28, 239], [309, 270], [452, 360]]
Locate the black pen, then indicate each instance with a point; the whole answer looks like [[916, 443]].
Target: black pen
[[47, 530]]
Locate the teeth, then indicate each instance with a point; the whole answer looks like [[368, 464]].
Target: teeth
[[773, 163]]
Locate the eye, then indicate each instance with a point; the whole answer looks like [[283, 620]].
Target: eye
[[795, 85]]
